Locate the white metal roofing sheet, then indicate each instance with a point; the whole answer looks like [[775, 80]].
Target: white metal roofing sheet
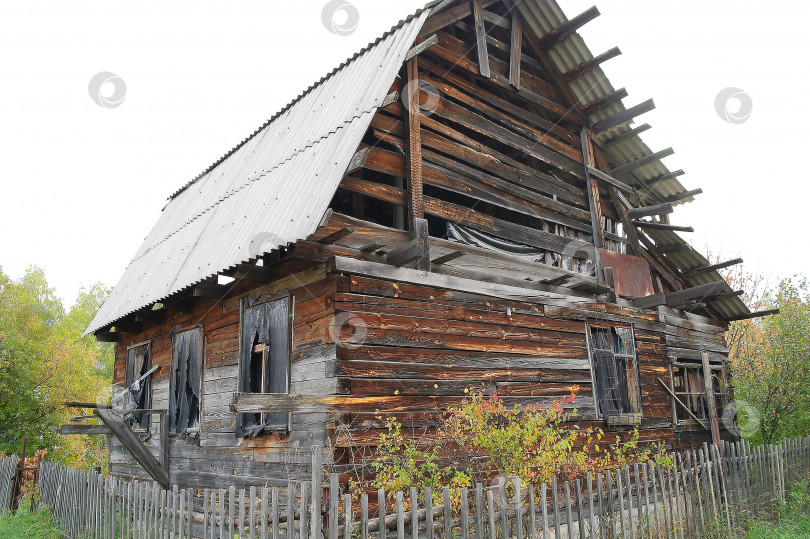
[[273, 188]]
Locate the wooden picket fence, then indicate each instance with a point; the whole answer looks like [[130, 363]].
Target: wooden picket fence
[[7, 467], [706, 487]]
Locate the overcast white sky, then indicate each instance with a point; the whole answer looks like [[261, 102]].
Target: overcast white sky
[[82, 185]]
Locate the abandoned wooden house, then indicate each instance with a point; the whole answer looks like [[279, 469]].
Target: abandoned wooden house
[[464, 203]]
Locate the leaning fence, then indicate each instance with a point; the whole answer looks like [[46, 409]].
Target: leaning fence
[[706, 487]]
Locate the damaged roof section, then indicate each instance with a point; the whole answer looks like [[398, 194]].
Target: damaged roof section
[[273, 188]]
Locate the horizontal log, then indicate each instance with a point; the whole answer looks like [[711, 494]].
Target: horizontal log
[[272, 402]]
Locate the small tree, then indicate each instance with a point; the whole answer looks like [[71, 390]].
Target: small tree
[[771, 364]]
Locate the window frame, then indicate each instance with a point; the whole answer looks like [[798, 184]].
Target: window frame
[[722, 395], [246, 303], [128, 381], [633, 375], [172, 381]]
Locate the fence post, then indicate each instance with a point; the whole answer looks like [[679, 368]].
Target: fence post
[[317, 492]]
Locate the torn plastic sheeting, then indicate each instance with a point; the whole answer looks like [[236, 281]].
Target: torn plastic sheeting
[[185, 397], [470, 236], [266, 323]]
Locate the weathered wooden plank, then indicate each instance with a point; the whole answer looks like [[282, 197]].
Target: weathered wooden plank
[[567, 28]]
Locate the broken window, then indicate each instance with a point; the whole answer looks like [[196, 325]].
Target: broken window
[[689, 387], [615, 372], [184, 400], [138, 363], [264, 360]]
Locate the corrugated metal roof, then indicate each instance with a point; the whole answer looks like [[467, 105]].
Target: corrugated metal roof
[[274, 186], [270, 190]]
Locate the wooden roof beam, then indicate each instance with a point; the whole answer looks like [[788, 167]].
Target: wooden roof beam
[[628, 134], [623, 117], [662, 226], [700, 270], [685, 195], [701, 292], [437, 20], [567, 28], [646, 211], [646, 160], [598, 104], [756, 314], [588, 65]]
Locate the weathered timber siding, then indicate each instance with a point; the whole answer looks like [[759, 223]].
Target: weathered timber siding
[[219, 456]]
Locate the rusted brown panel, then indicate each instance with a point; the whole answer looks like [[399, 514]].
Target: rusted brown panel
[[631, 274]]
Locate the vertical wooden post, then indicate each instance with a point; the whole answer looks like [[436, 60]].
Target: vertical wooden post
[[516, 49], [416, 207], [317, 492], [415, 202], [593, 201], [707, 382], [165, 450]]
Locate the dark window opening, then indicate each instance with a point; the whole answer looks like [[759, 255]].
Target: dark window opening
[[184, 399], [138, 364], [265, 342], [615, 370]]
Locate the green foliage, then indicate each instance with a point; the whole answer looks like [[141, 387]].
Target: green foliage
[[44, 361], [771, 364], [27, 525], [482, 438]]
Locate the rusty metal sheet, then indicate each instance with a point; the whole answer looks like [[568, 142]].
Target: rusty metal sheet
[[631, 274]]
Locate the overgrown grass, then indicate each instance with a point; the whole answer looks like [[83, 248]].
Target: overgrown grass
[[26, 525], [792, 519]]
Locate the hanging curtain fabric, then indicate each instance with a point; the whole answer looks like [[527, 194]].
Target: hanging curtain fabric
[[264, 362], [184, 410]]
